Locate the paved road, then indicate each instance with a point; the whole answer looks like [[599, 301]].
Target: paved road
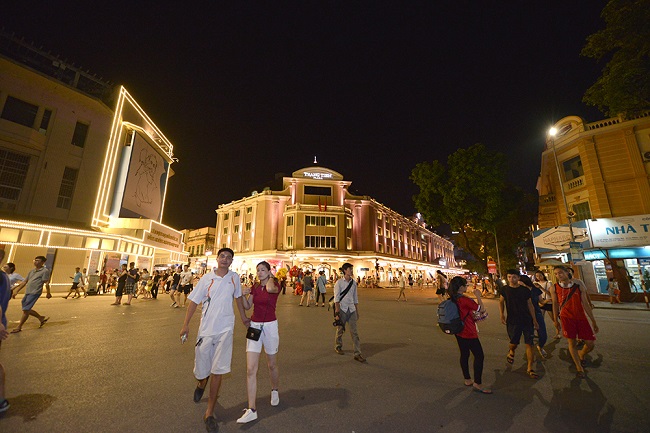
[[98, 368]]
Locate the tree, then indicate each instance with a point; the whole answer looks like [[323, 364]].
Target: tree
[[624, 86], [472, 195]]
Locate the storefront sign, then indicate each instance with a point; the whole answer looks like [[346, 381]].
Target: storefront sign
[[163, 237], [318, 176], [558, 238], [632, 231]]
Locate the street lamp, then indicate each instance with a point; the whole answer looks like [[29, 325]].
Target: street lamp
[[552, 133]]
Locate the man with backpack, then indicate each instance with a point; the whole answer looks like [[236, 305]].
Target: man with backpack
[[516, 299], [346, 310]]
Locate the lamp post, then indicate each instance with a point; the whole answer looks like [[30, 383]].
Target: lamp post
[[552, 133]]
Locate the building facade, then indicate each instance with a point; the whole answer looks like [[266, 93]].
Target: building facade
[[83, 169], [199, 244], [315, 223], [596, 176]]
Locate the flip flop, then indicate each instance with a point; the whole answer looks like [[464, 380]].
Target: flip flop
[[44, 321], [15, 331], [483, 390], [532, 374], [510, 359]]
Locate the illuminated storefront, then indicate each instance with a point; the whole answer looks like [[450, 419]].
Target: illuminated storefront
[[315, 223], [83, 170]]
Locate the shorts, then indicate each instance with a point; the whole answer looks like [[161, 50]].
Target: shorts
[[270, 338], [580, 328], [547, 307], [29, 300], [174, 287], [129, 288], [186, 289], [213, 355], [515, 332]]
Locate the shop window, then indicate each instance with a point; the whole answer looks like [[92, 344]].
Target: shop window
[[19, 111], [572, 168], [582, 211], [80, 134], [66, 190], [13, 171]]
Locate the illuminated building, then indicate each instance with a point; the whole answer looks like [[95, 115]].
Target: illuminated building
[[315, 223], [199, 244], [83, 169], [604, 168]]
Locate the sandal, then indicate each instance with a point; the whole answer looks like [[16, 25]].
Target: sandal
[[44, 321], [510, 359], [483, 390], [15, 331], [532, 374]]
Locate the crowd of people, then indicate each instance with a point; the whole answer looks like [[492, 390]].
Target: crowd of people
[[523, 303]]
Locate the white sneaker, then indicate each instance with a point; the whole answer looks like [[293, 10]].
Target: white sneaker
[[248, 416], [275, 398]]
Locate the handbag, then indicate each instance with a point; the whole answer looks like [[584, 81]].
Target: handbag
[[253, 333]]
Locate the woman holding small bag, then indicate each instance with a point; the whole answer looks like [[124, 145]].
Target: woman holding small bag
[[470, 313], [264, 297]]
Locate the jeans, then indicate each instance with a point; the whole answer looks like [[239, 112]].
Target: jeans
[[543, 335], [350, 319]]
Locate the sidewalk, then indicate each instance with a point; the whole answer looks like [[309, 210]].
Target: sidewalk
[[622, 306]]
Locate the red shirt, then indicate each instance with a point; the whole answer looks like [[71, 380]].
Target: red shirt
[[573, 307], [263, 303], [467, 307]]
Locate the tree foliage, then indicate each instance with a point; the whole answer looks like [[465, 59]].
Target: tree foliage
[[624, 86], [471, 194]]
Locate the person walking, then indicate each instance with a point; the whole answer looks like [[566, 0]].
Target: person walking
[[467, 339], [14, 277], [321, 286], [613, 291], [402, 287], [442, 285], [5, 295], [262, 297], [346, 310], [535, 298], [545, 300], [516, 299], [571, 306], [132, 277], [121, 283], [76, 279], [184, 285], [176, 280], [36, 279], [213, 350], [307, 289]]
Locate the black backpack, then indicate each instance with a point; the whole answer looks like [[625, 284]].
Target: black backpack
[[449, 317]]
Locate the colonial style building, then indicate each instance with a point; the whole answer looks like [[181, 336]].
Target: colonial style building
[[316, 223], [199, 244], [83, 169], [596, 176]]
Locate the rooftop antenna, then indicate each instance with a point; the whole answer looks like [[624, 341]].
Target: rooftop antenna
[[315, 162]]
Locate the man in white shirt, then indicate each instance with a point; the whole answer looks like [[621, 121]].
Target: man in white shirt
[[185, 285], [213, 350], [347, 311]]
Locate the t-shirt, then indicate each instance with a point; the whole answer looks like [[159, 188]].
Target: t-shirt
[[216, 294], [467, 306], [322, 283], [35, 280], [76, 278], [517, 305], [348, 303], [573, 308], [176, 278], [263, 304], [308, 282], [5, 295], [186, 278]]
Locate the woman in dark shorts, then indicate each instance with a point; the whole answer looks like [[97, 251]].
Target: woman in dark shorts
[[121, 283]]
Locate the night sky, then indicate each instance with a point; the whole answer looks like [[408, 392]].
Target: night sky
[[257, 88]]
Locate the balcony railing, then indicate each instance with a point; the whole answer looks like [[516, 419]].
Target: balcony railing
[[578, 182], [547, 199]]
